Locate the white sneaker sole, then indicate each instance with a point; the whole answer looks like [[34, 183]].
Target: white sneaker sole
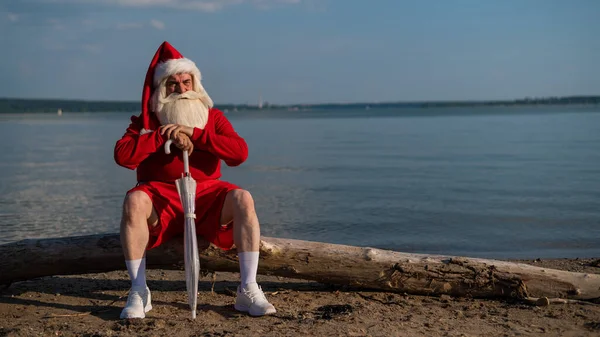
[[244, 308], [148, 308]]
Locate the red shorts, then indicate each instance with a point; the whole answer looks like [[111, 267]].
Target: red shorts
[[210, 197]]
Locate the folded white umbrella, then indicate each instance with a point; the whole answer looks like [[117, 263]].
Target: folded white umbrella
[[186, 187]]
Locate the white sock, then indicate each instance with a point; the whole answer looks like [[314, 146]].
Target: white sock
[[137, 273], [248, 267]]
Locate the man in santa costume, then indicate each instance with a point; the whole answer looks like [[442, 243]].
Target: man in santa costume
[[176, 106]]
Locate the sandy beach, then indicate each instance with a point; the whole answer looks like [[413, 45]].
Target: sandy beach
[[89, 305]]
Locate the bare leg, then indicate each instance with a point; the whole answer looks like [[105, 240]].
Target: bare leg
[[239, 207], [138, 213]]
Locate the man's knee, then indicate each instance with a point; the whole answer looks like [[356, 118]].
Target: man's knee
[[239, 203], [242, 200], [137, 204]]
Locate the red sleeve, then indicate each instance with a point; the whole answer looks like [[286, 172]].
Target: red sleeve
[[134, 147], [219, 138]]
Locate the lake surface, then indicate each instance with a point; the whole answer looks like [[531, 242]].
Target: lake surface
[[488, 182]]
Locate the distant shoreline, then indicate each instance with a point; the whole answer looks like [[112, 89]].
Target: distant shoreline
[[17, 105]]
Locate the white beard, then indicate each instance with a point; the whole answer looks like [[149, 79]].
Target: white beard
[[185, 109]]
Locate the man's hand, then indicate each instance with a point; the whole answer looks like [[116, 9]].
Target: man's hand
[[172, 130], [183, 142]]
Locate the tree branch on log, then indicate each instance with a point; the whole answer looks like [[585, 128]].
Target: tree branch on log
[[360, 267]]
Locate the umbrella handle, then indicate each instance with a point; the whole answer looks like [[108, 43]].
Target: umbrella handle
[[186, 161]]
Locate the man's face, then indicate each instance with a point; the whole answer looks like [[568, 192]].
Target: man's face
[[179, 83]]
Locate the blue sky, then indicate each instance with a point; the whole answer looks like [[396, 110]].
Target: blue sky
[[305, 51]]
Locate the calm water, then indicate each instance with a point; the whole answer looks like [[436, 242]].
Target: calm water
[[491, 182]]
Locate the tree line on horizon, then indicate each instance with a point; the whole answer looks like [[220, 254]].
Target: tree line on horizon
[[18, 105]]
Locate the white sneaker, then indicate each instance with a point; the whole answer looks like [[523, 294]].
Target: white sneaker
[[252, 300], [138, 304]]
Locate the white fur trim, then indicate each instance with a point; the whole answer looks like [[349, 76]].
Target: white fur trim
[[175, 66], [145, 131]]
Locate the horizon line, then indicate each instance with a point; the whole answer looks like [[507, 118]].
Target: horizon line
[[523, 99]]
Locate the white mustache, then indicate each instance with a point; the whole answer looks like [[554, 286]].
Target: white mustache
[[191, 94]]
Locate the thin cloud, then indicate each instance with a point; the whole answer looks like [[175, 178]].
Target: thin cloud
[[268, 4], [12, 17], [56, 24], [157, 24], [199, 5]]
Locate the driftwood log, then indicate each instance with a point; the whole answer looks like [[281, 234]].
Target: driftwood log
[[366, 268]]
